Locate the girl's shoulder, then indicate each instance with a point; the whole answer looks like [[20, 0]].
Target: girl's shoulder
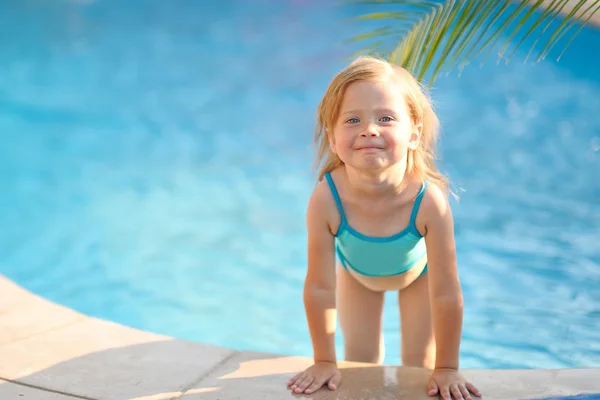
[[434, 198], [322, 204], [326, 190], [434, 209]]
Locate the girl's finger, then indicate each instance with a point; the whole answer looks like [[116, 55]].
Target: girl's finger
[[304, 384], [433, 388], [473, 389], [445, 393], [295, 378], [456, 392], [315, 385], [465, 392], [334, 382]]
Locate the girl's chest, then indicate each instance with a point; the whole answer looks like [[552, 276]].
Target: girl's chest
[[378, 219]]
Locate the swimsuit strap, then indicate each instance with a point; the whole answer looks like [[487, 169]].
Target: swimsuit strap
[[413, 215], [336, 196]]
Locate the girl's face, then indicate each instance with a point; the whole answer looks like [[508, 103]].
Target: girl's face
[[374, 130]]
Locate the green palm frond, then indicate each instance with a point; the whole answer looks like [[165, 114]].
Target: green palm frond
[[428, 37]]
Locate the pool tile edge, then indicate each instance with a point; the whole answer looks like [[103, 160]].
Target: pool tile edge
[[251, 375], [18, 306], [99, 359]]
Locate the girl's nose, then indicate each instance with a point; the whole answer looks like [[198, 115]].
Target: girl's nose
[[371, 131]]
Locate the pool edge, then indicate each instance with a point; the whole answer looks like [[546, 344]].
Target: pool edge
[[60, 353]]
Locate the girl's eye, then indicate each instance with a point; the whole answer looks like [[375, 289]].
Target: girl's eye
[[353, 120], [387, 119]]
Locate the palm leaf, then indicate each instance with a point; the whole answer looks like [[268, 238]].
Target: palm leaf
[[428, 37]]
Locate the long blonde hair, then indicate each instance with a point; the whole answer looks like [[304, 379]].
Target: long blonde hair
[[421, 161]]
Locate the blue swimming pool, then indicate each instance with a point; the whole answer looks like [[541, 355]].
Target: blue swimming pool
[[155, 166]]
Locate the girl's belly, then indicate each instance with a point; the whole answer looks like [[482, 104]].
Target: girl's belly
[[392, 282]]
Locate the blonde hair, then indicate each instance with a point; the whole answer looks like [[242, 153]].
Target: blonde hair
[[421, 161]]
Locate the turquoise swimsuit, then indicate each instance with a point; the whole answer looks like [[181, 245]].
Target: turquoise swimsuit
[[379, 256]]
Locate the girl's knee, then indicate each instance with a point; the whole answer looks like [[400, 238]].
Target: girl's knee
[[365, 353], [420, 359]]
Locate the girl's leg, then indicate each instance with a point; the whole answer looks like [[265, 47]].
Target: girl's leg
[[360, 315], [418, 343]]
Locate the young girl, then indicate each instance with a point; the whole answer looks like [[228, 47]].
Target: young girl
[[381, 207]]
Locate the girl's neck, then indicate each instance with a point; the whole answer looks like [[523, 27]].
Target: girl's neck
[[391, 181]]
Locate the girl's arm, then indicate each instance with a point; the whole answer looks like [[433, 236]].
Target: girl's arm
[[319, 286], [444, 287]]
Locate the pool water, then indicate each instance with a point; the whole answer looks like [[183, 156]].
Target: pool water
[[155, 165]]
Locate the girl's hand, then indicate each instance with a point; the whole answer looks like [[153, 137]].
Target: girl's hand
[[450, 384], [315, 376]]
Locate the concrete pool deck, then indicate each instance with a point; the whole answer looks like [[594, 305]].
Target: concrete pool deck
[[49, 352]]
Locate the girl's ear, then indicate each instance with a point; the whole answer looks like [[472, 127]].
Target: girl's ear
[[415, 136]]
